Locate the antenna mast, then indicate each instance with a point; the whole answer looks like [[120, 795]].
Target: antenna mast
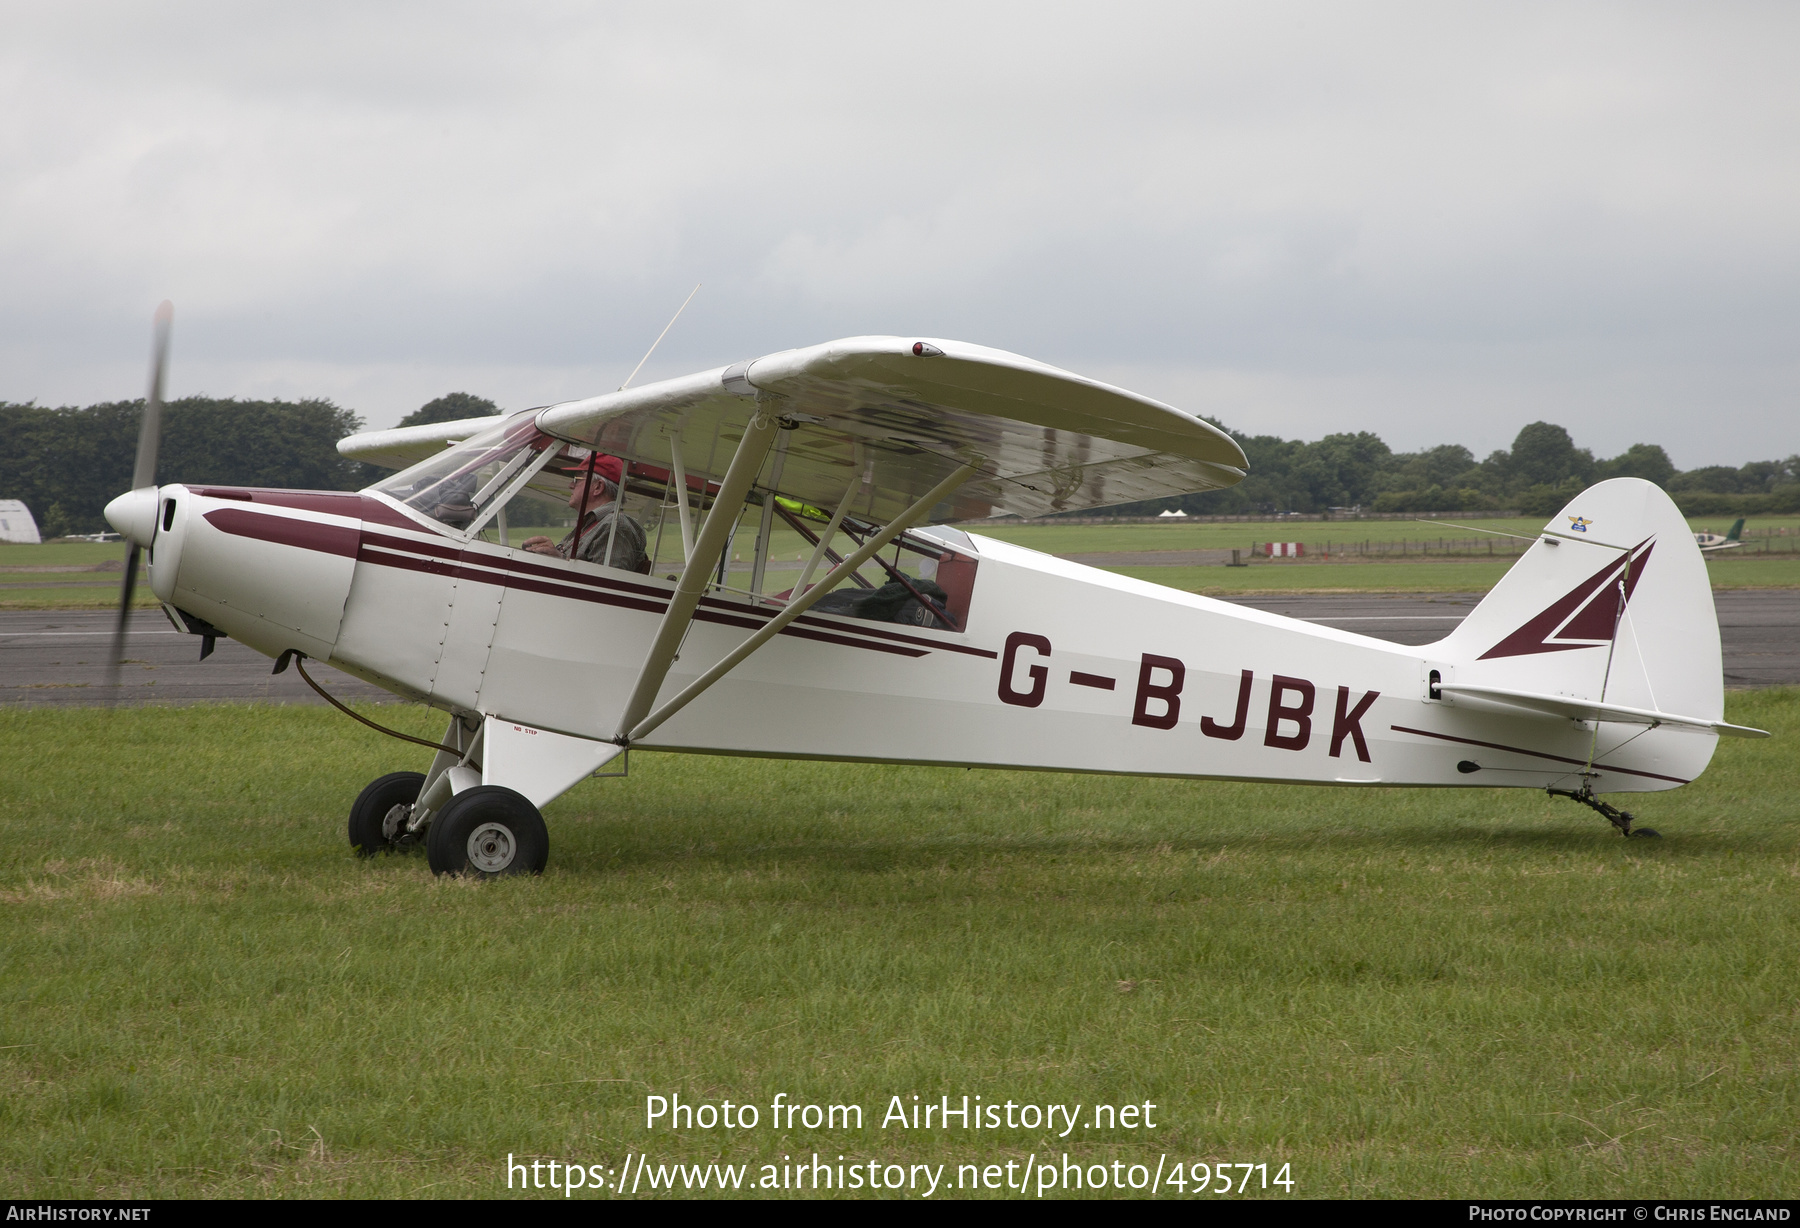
[[660, 336]]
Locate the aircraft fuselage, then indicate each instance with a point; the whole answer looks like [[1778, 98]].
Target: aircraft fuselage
[[1059, 667]]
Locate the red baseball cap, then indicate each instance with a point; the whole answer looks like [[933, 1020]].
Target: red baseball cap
[[609, 467]]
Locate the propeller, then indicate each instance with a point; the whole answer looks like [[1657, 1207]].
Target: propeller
[[143, 487]]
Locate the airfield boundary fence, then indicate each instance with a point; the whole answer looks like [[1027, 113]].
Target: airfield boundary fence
[[1779, 540], [1430, 548], [1244, 518]]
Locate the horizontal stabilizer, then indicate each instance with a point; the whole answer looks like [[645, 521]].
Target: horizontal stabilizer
[[1574, 709]]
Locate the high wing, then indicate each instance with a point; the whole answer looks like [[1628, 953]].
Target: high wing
[[905, 414]]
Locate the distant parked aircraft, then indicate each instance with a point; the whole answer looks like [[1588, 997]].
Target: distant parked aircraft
[[1710, 542]]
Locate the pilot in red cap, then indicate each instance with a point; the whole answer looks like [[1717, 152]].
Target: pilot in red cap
[[609, 467]]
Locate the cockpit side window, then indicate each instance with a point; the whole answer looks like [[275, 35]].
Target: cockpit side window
[[920, 579]]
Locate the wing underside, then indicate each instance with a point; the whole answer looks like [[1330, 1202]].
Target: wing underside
[[894, 416]]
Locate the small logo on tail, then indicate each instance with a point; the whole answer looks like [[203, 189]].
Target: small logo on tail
[[1579, 524], [1585, 616]]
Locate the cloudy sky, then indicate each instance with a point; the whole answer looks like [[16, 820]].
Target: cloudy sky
[[1435, 221]]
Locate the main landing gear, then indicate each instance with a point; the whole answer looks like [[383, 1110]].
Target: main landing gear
[[485, 831], [1620, 819], [488, 831]]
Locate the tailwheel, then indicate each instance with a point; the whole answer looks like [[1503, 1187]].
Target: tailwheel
[[1621, 819], [488, 831], [378, 816]]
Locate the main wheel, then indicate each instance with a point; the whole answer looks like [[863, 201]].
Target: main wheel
[[488, 831], [370, 831]]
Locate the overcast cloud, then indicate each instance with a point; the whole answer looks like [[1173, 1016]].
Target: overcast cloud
[[1434, 221]]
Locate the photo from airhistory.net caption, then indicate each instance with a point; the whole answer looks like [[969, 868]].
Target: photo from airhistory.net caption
[[997, 1167]]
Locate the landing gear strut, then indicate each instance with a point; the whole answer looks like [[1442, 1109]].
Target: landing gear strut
[[1620, 819]]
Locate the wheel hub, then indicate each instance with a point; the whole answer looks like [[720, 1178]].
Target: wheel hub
[[394, 822], [491, 848]]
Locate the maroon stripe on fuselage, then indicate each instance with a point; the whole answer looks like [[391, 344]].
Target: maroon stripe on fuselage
[[906, 639], [735, 615], [349, 504], [1536, 754], [286, 531], [406, 562], [755, 624], [380, 513], [455, 571], [445, 559], [436, 550], [599, 596]]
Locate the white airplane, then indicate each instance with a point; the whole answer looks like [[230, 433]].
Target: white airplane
[[1592, 667], [1710, 543]]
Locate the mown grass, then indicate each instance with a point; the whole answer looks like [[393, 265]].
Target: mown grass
[[62, 554], [25, 589], [1401, 993]]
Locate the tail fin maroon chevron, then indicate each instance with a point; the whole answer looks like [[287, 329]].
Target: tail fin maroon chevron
[[1585, 616]]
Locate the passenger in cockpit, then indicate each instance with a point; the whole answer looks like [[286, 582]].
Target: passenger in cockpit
[[893, 602], [605, 535]]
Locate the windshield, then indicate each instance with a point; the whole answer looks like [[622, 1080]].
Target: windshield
[[466, 486]]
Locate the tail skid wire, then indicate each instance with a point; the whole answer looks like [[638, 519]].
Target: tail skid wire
[[1621, 819]]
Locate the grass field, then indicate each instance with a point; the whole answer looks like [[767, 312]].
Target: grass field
[[1399, 993]]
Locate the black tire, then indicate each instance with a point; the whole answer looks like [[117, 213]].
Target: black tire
[[1649, 833], [371, 808], [486, 832]]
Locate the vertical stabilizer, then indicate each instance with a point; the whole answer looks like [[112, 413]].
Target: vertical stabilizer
[[1611, 603]]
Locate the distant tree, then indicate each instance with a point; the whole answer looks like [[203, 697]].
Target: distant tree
[[69, 462], [1640, 460], [1769, 475], [1716, 479], [1444, 466], [1340, 471], [450, 408], [1544, 455]]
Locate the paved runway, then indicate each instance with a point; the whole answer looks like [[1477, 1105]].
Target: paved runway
[[57, 658]]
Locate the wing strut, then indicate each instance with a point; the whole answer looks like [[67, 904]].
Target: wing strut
[[642, 728], [746, 463], [681, 496]]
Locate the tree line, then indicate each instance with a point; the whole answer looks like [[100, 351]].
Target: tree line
[[67, 462], [1541, 472]]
